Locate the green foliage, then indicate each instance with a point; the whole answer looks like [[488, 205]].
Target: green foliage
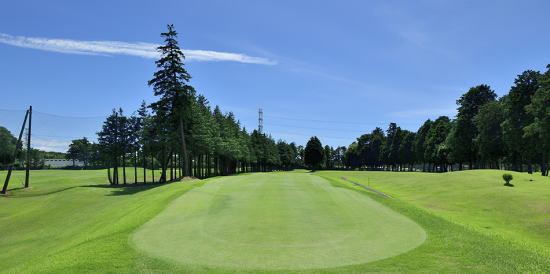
[[520, 147], [313, 153], [436, 151], [507, 177], [352, 157], [288, 154], [80, 149], [339, 157], [406, 148], [367, 150], [183, 127], [540, 110], [490, 140], [511, 133], [462, 142], [390, 147], [420, 141], [7, 146], [170, 81]]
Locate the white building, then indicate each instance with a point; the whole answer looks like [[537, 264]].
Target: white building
[[62, 162]]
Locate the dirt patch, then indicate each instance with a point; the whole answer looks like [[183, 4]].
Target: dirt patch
[[367, 188]]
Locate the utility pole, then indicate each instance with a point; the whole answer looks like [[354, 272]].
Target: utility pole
[[260, 120], [27, 171], [15, 154]]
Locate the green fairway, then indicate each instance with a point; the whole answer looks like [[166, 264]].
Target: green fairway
[[73, 222], [277, 221], [476, 198]]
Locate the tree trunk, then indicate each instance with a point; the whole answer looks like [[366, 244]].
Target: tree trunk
[[124, 168], [115, 171], [135, 167], [183, 146], [201, 166], [208, 165], [115, 174], [177, 170], [180, 164], [543, 166], [144, 167], [170, 163], [163, 166], [153, 168], [109, 175]]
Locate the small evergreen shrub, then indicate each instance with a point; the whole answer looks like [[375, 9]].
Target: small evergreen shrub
[[507, 177]]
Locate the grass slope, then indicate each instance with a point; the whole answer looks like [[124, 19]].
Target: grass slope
[[277, 221], [475, 198], [71, 222]]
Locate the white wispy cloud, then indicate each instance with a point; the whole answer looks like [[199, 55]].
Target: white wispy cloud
[[141, 49], [50, 145]]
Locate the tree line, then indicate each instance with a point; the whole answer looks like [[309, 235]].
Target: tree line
[[182, 135], [8, 143], [511, 132]]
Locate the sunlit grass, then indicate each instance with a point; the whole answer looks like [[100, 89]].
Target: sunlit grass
[[72, 221]]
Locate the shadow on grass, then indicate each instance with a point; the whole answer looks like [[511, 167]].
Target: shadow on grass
[[128, 189], [20, 194], [131, 188]]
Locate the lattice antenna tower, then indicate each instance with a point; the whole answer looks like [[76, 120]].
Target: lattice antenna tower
[[260, 120]]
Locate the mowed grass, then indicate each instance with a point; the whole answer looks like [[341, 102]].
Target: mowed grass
[[277, 221], [474, 198], [70, 221]]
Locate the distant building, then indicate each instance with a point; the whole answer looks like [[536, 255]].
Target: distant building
[[62, 163]]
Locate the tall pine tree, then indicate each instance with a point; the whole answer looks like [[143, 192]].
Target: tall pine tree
[[170, 82]]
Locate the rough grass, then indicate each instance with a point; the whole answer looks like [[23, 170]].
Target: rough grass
[[71, 222], [475, 198]]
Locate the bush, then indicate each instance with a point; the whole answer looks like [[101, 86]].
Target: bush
[[507, 177]]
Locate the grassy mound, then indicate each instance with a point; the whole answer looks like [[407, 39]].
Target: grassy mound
[[276, 221]]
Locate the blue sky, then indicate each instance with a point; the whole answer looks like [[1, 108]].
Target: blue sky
[[335, 69]]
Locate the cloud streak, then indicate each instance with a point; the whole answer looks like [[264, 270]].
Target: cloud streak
[[50, 145], [109, 48]]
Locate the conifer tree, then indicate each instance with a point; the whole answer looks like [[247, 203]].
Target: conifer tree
[[170, 82], [313, 153], [520, 148], [540, 128]]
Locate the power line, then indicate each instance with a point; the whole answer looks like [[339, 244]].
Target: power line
[[72, 117], [59, 136], [320, 136], [57, 115], [325, 121], [317, 128]]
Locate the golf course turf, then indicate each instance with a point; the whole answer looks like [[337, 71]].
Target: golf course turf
[[277, 221], [74, 222]]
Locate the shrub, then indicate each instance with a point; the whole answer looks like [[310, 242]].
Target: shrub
[[507, 177]]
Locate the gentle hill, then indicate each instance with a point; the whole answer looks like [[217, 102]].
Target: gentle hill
[[475, 197], [72, 221]]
